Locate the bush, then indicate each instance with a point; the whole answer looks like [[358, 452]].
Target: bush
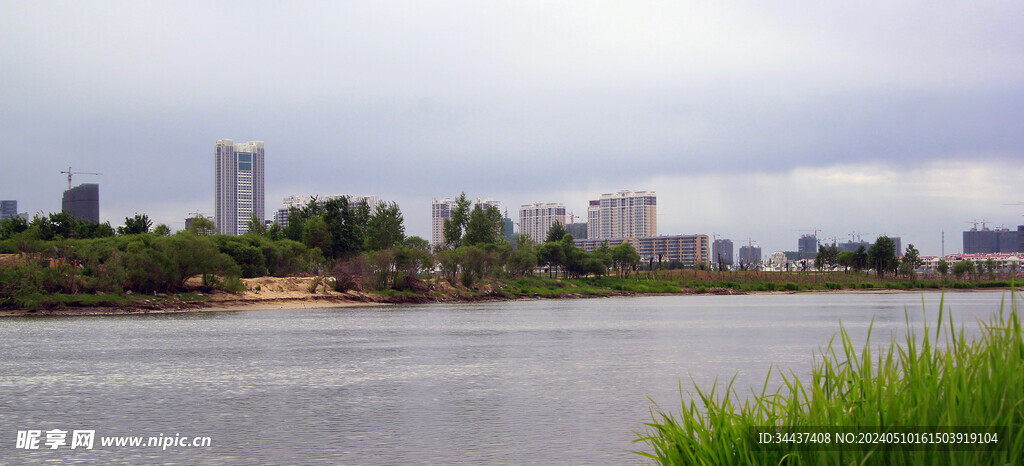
[[792, 286], [833, 286]]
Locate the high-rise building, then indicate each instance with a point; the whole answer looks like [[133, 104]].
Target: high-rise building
[[238, 185], [83, 202], [508, 229], [440, 210], [722, 252], [577, 230], [485, 203], [982, 241], [536, 219], [8, 209], [750, 255], [807, 243], [625, 214], [594, 219]]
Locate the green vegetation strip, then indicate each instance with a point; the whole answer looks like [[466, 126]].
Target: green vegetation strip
[[914, 385]]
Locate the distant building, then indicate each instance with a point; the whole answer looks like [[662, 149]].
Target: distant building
[[508, 229], [625, 214], [485, 203], [691, 250], [440, 210], [83, 202], [594, 219], [239, 187], [852, 246], [8, 209], [987, 241], [536, 219], [577, 230], [750, 255], [779, 261], [807, 243], [722, 251]]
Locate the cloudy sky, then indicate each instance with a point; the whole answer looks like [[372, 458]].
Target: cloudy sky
[[752, 120]]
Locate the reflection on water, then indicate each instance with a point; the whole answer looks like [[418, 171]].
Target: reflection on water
[[561, 381]]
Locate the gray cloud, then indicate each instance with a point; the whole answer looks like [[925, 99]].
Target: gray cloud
[[415, 100]]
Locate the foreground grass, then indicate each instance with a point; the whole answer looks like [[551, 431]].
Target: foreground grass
[[914, 383]]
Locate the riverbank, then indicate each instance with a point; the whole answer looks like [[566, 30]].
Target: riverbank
[[299, 292]]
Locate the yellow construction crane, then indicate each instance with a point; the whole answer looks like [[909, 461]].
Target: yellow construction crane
[[70, 172]]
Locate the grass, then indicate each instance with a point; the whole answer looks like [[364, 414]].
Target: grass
[[914, 383], [61, 300]]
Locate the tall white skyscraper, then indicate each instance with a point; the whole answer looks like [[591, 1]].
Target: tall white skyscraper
[[440, 210], [536, 219], [625, 214], [239, 185]]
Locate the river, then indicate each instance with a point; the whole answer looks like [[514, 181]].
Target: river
[[540, 381]]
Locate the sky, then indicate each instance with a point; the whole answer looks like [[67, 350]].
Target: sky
[[755, 121]]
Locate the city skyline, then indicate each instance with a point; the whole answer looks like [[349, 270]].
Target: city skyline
[[749, 121]]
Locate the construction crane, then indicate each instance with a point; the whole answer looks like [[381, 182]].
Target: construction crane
[[70, 172], [572, 217], [976, 222]]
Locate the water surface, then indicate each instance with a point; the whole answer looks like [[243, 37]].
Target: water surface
[[547, 381]]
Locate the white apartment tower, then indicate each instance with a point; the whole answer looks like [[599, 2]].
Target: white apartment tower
[[440, 210], [239, 185], [625, 214], [536, 219]]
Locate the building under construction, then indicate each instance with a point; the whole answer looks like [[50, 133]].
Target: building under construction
[[83, 202], [986, 241]]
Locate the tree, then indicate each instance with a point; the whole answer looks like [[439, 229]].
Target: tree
[[943, 268], [11, 226], [550, 255], [573, 256], [625, 257], [555, 233], [315, 234], [882, 256], [523, 258], [162, 230], [256, 226], [202, 226], [275, 232], [456, 222], [604, 254], [483, 227], [385, 228], [962, 267], [911, 261], [819, 259], [990, 265], [860, 259], [846, 259]]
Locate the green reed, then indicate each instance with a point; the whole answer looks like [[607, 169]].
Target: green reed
[[913, 383]]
